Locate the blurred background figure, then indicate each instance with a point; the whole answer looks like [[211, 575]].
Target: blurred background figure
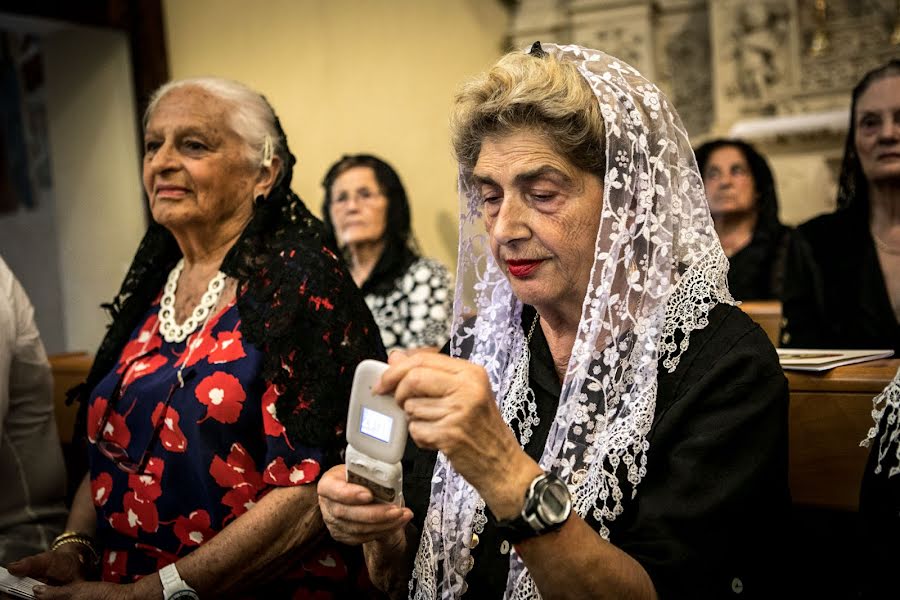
[[367, 213], [744, 206], [842, 283], [32, 472]]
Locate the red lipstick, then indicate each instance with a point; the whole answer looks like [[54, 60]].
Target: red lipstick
[[522, 268]]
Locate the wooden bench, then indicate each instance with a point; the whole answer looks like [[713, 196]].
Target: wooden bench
[[768, 314], [69, 369], [830, 414]]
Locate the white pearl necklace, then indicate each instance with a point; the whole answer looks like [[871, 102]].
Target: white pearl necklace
[[172, 331]]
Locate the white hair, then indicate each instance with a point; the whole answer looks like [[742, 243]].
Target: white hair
[[251, 116]]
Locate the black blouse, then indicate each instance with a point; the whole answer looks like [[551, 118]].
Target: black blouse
[[879, 514], [717, 481], [756, 271], [834, 292]]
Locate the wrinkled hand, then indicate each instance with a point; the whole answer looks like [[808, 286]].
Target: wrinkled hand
[[352, 516], [56, 568], [451, 408]]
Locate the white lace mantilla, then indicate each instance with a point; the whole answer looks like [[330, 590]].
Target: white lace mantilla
[[658, 271], [886, 406]]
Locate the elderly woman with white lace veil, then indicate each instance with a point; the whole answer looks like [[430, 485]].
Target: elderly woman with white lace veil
[[607, 424]]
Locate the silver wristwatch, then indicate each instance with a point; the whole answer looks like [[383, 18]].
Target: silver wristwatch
[[174, 587], [547, 507]]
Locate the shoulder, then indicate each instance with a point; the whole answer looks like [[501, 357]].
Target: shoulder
[[823, 227], [731, 351], [424, 268]]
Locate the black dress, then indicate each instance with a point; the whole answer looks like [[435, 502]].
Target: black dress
[[834, 292], [879, 515], [756, 271], [717, 470]]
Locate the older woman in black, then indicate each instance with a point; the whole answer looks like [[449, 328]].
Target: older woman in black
[[842, 281], [744, 207]]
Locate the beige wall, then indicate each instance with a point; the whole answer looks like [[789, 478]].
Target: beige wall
[[351, 76]]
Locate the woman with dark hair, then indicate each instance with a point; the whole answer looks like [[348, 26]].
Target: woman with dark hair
[[744, 207], [366, 213], [219, 392], [842, 280]]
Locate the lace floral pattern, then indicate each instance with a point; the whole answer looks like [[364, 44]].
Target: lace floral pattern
[[886, 408], [658, 271]]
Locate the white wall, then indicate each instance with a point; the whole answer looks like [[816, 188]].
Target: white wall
[[94, 152], [29, 246]]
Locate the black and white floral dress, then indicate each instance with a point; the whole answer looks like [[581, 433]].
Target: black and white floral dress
[[415, 310]]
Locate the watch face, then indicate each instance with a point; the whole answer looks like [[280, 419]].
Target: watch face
[[555, 503], [184, 595]]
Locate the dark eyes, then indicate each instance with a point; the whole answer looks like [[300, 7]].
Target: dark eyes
[[188, 146], [735, 171], [869, 122], [194, 145]]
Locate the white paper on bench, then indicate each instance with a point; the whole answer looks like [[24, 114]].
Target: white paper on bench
[[20, 587]]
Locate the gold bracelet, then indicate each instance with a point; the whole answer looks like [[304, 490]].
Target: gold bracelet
[[73, 537]]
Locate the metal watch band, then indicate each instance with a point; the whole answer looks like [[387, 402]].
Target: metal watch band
[[529, 523]]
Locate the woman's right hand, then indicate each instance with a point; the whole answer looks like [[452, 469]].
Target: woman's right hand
[[56, 567], [352, 516]]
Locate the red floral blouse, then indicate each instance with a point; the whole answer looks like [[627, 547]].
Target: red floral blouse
[[209, 449]]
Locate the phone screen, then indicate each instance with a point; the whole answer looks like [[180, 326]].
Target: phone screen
[[375, 424]]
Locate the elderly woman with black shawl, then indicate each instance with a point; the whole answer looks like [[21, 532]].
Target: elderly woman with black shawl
[[842, 281], [608, 424], [744, 207], [218, 394]]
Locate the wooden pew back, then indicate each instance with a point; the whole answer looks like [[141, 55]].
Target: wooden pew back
[[830, 414], [767, 313], [69, 369]]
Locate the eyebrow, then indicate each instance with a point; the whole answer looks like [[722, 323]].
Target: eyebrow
[[184, 132], [528, 176]]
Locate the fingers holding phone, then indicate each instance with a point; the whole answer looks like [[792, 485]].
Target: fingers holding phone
[[351, 513]]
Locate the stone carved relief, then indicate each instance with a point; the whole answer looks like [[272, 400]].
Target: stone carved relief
[[623, 32], [620, 41], [759, 44], [859, 33], [685, 67], [724, 61], [753, 44]]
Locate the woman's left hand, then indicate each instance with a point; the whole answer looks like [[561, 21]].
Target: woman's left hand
[[451, 408], [87, 590]]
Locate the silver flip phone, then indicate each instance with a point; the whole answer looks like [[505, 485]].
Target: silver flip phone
[[376, 436]]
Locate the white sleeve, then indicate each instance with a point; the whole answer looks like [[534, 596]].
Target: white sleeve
[[7, 340], [26, 382]]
